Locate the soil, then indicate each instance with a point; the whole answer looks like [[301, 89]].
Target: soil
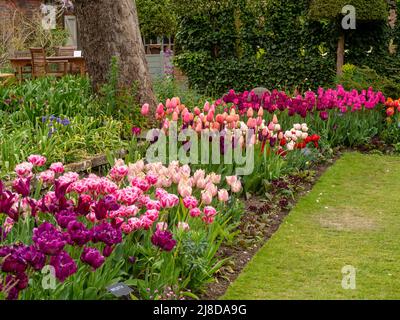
[[262, 218]]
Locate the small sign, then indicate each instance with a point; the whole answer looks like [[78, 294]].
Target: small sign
[[77, 54], [119, 289]]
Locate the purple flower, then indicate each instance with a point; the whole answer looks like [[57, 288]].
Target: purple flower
[[107, 234], [7, 199], [64, 217], [13, 294], [108, 203], [83, 206], [92, 257], [48, 239], [22, 186], [14, 263], [64, 265], [132, 259], [163, 240], [78, 233], [136, 131], [19, 281], [60, 188], [107, 251], [35, 258], [19, 257], [324, 115]]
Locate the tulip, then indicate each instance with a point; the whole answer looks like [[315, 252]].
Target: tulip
[[145, 109], [223, 195]]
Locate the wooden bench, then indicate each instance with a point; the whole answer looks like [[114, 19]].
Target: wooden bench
[[6, 75]]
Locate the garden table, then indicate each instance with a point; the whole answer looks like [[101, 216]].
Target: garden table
[[19, 63]]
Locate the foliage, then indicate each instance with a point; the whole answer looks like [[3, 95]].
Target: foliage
[[366, 10], [365, 77], [156, 18], [33, 115], [273, 44], [168, 87], [240, 48]]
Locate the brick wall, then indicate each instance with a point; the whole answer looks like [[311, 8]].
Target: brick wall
[[27, 7]]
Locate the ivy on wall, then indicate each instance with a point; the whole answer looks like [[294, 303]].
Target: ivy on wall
[[242, 44]]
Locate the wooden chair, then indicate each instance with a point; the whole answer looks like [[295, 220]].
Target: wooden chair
[[41, 67], [27, 69], [68, 51]]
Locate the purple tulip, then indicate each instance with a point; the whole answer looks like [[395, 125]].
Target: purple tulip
[[7, 200], [92, 257], [107, 251], [64, 217], [78, 232], [64, 265], [324, 115], [107, 234], [22, 186], [48, 239], [108, 203], [163, 240]]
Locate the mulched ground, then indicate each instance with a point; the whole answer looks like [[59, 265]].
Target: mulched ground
[[262, 218]]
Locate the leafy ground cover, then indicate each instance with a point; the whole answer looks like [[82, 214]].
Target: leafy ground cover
[[349, 218]]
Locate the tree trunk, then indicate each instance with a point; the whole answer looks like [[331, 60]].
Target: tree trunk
[[110, 28], [340, 55]]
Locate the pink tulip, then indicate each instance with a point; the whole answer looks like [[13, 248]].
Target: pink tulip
[[236, 187], [47, 176], [184, 190], [145, 109], [195, 212], [152, 214], [211, 188], [206, 107], [24, 169], [190, 202], [37, 160], [162, 226], [183, 226], [223, 195], [174, 102], [206, 197], [231, 180], [57, 167]]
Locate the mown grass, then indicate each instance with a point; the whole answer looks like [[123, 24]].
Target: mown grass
[[351, 217]]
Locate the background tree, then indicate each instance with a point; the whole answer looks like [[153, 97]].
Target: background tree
[[110, 28], [366, 11], [156, 18]]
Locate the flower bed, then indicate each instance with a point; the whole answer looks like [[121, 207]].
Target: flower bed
[[158, 227], [150, 225]]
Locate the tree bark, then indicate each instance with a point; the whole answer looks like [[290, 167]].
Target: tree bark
[[110, 28], [340, 55]]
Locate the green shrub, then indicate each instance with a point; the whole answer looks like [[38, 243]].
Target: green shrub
[[361, 78]]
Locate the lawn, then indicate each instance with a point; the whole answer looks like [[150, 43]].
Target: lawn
[[351, 217]]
